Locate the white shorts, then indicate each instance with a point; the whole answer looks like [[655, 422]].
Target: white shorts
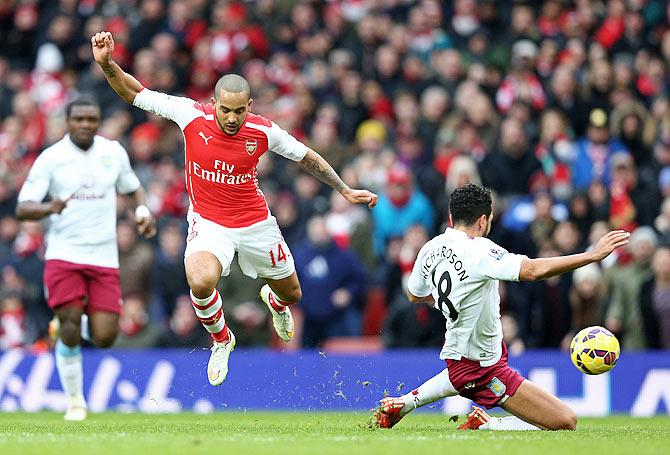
[[261, 249]]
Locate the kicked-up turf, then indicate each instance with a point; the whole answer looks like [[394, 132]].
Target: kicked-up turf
[[281, 433]]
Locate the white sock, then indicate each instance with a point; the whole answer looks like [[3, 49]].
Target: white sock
[[70, 370], [436, 388], [507, 423]]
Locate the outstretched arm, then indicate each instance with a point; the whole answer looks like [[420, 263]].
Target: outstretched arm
[[319, 168], [125, 85], [30, 210], [543, 268]]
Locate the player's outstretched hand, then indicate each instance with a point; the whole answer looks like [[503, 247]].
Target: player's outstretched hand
[[360, 197], [610, 242], [103, 47]]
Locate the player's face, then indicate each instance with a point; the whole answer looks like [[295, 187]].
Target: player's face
[[231, 110], [82, 124]]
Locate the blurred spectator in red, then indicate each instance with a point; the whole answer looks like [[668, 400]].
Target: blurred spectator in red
[[136, 330], [521, 83], [632, 201], [184, 330], [12, 322], [233, 39]]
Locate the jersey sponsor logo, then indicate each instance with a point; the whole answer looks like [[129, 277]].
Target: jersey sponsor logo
[[251, 146], [222, 173], [497, 253], [205, 138], [496, 386]]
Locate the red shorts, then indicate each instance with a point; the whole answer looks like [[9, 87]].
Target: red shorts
[[486, 386], [66, 281]]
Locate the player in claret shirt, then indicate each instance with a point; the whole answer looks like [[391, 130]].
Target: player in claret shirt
[[228, 212], [458, 272], [82, 174]]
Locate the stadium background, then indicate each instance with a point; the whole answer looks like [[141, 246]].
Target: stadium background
[[561, 107]]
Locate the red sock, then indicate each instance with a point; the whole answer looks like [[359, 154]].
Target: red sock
[[277, 304]]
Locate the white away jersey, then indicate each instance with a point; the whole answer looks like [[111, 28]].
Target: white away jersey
[[462, 274], [221, 177], [85, 231]]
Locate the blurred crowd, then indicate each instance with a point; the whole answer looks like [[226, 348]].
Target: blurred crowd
[[561, 107]]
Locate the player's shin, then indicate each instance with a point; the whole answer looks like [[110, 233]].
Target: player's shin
[[507, 423], [210, 313], [436, 388], [70, 370]]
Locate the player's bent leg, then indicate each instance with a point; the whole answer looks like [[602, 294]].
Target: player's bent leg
[[69, 358], [69, 321], [203, 270], [278, 295], [104, 327], [540, 408]]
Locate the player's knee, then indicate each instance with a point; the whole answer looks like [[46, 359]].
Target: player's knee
[[202, 285], [104, 340], [567, 421], [295, 294], [70, 332]]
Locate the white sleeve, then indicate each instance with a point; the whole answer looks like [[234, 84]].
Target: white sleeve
[[176, 108], [497, 264], [37, 184], [282, 143], [418, 284], [127, 182]]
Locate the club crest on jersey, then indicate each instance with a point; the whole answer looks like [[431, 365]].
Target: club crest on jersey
[[87, 181], [107, 161], [496, 386], [497, 254], [251, 145]]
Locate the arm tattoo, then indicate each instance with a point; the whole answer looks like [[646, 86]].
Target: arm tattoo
[[108, 69], [320, 169]]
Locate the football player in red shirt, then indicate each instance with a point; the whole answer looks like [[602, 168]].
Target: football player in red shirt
[[228, 213]]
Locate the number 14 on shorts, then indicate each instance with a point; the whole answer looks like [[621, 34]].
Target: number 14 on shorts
[[277, 256]]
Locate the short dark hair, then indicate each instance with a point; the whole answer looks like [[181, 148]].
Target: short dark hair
[[83, 100], [233, 83], [469, 202]]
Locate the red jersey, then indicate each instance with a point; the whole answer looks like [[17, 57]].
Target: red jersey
[[221, 178]]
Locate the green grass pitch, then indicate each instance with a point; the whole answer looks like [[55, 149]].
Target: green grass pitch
[[314, 433]]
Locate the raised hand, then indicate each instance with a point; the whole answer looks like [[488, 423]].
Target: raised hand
[[361, 197], [103, 47], [610, 242]]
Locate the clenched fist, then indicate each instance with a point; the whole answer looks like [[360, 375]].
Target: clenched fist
[[103, 47]]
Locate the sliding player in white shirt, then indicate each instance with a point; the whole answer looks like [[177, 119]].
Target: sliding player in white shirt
[[82, 174], [228, 213], [458, 272]]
